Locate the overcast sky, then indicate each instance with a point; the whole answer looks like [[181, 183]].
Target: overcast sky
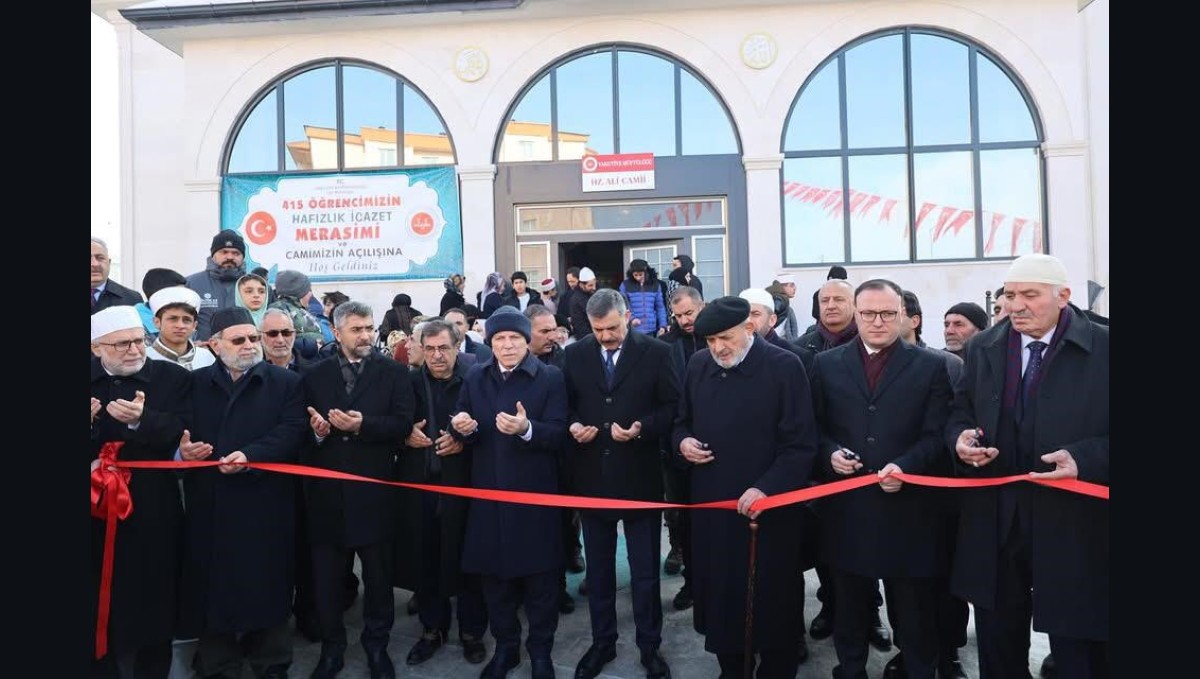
[[106, 221]]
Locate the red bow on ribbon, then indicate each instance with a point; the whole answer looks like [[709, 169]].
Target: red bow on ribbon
[[110, 501]]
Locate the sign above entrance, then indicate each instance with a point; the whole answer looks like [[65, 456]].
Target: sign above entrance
[[620, 172]]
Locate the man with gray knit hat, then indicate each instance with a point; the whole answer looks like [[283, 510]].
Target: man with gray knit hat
[[962, 322], [217, 284], [293, 291], [1034, 401], [512, 415]]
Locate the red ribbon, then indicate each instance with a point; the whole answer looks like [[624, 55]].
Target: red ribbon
[[117, 503], [110, 501]]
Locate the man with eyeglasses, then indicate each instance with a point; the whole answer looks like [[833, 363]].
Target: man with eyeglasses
[[144, 405], [881, 407], [360, 406], [429, 536], [511, 414], [685, 304], [175, 313], [240, 525]]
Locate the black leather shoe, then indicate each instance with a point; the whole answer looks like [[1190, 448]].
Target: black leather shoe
[[411, 606], [683, 598], [894, 669], [328, 666], [565, 603], [431, 640], [656, 667], [380, 664], [951, 669], [802, 649], [674, 561], [307, 626], [474, 651], [1049, 669], [503, 660], [822, 625], [576, 564], [592, 662], [878, 635], [541, 668]]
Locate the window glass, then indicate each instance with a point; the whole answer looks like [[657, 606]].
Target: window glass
[[534, 260], [706, 127], [425, 139], [875, 93], [585, 106], [941, 92], [527, 136], [257, 146], [814, 123], [879, 208], [310, 120], [709, 256], [646, 103], [1012, 200], [369, 115], [814, 223], [1003, 113], [945, 200], [675, 214]]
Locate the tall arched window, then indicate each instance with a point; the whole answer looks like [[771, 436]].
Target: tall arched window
[[338, 116], [615, 99], [912, 145]]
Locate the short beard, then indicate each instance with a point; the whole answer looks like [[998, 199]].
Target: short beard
[[741, 356], [122, 370], [361, 352], [234, 362]]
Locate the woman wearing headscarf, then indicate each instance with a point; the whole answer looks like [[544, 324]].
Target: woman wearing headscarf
[[252, 291], [399, 317], [453, 299], [492, 297]]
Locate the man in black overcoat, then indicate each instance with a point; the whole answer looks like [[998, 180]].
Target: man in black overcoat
[[240, 523], [144, 405], [360, 407], [622, 393], [881, 405], [1036, 384], [745, 423], [512, 413], [430, 533]]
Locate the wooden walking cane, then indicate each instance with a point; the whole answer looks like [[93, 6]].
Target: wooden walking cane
[[748, 663]]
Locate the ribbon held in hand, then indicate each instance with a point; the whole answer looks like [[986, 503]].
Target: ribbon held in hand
[[110, 501]]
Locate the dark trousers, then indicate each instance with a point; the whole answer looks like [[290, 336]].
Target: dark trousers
[[538, 593], [1079, 659], [677, 489], [951, 617], [379, 606], [643, 540], [148, 662], [915, 617], [433, 608], [1002, 633], [571, 528], [780, 663], [304, 602], [221, 654]]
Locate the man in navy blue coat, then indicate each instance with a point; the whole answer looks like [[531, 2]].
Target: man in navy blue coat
[[512, 412]]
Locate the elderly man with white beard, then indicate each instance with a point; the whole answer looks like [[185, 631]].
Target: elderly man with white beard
[[746, 427], [240, 524], [144, 405]]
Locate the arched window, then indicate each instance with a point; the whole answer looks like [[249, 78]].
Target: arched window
[[338, 116], [912, 145], [615, 99]]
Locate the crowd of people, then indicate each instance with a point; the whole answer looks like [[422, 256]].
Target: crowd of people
[[646, 391]]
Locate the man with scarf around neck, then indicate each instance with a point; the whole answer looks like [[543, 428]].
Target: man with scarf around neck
[[175, 311], [745, 425], [1037, 385], [144, 405], [835, 327], [429, 535], [217, 283]]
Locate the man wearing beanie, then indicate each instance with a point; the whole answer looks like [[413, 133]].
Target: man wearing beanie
[[237, 578], [1037, 384], [292, 293], [962, 322], [512, 416], [745, 426], [217, 283], [144, 406]]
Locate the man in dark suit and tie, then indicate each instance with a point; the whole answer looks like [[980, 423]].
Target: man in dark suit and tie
[[360, 407], [622, 390], [880, 405], [108, 293]]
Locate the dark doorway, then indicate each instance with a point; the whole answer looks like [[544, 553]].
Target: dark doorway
[[605, 258]]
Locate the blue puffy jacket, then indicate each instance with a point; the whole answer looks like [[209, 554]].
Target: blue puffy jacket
[[646, 303]]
